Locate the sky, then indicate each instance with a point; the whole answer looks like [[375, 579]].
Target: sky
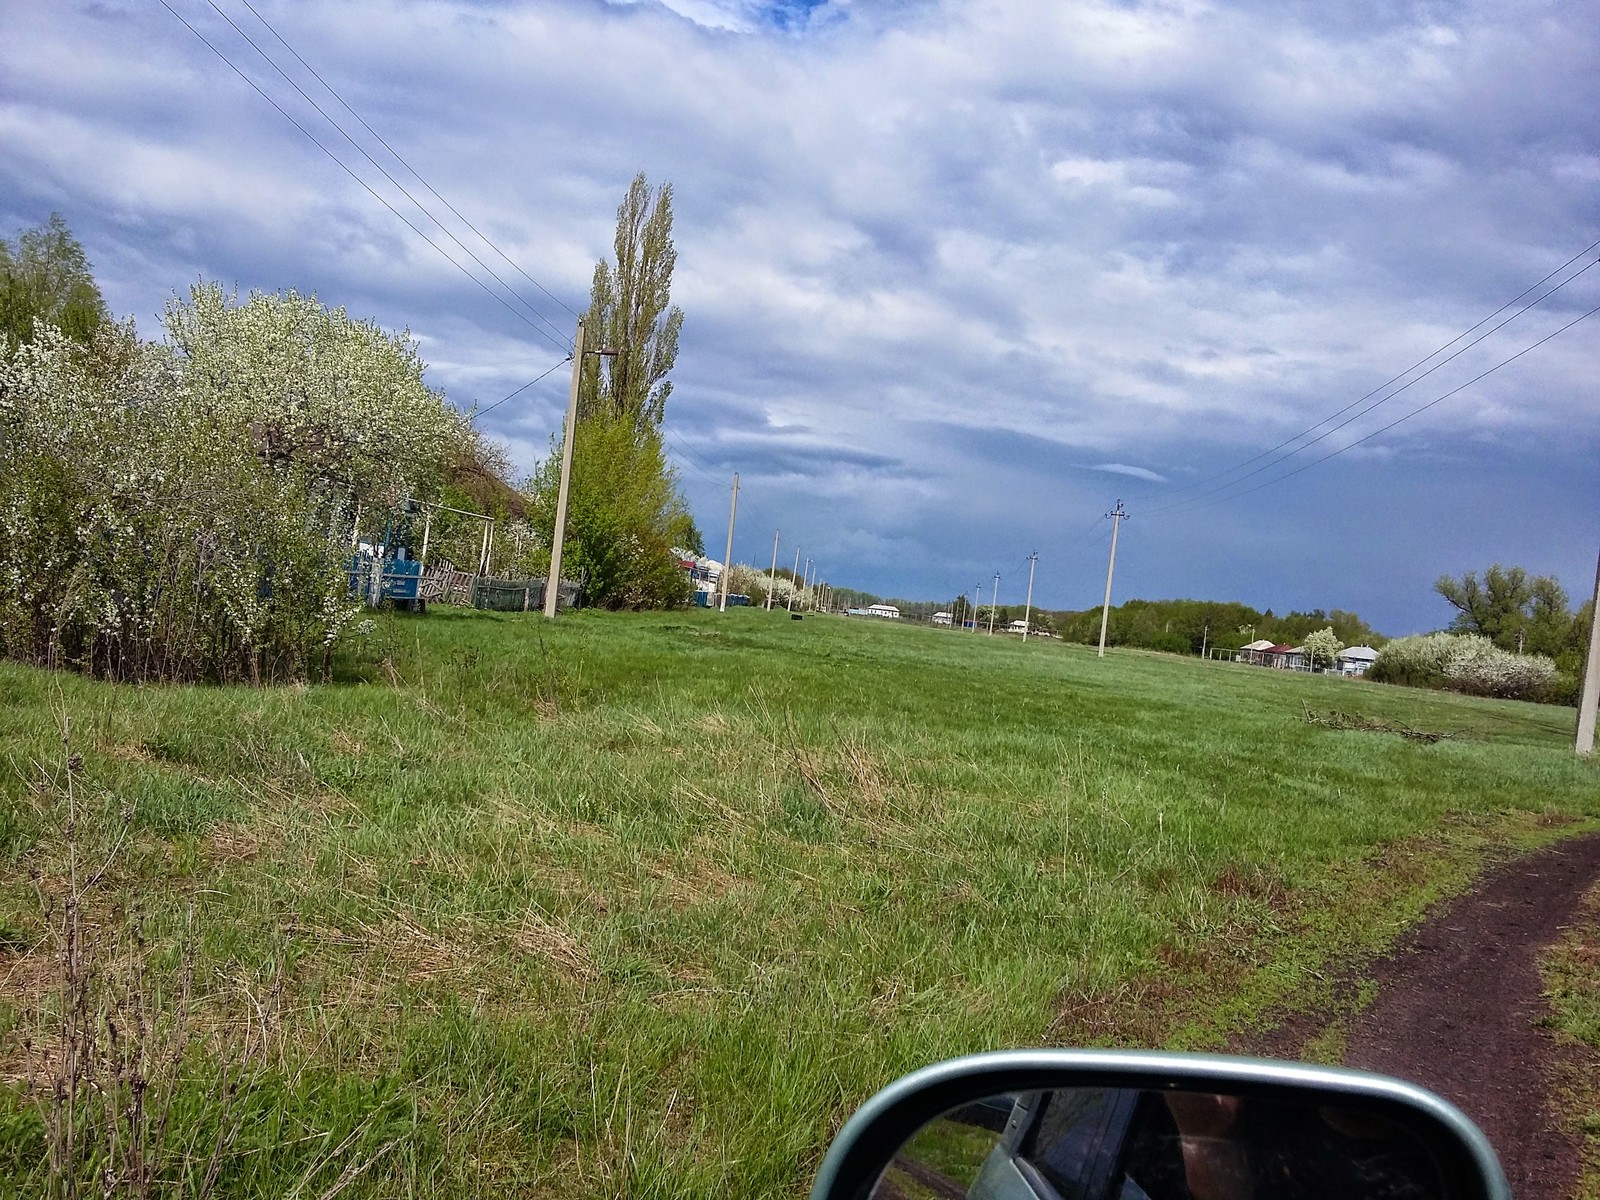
[[957, 275]]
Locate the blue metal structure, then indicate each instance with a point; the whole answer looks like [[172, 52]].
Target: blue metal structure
[[387, 571]]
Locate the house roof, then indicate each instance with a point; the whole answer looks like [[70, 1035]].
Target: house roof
[[1263, 644], [1359, 653], [1283, 648]]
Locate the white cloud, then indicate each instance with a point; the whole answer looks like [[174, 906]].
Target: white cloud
[[1176, 230], [1135, 472]]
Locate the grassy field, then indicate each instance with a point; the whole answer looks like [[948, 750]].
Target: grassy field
[[644, 904], [1571, 975]]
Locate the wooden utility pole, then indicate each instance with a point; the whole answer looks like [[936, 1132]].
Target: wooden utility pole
[[772, 575], [1117, 516], [1589, 697], [727, 559], [1027, 612]]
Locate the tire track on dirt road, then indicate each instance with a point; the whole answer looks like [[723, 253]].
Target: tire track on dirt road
[[1459, 1002]]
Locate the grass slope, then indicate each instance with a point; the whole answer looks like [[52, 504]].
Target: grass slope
[[644, 904], [1571, 973]]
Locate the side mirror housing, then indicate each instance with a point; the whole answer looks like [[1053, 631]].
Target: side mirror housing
[[1137, 1125]]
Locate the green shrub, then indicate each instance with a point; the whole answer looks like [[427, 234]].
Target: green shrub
[[183, 511], [622, 510], [1465, 663]]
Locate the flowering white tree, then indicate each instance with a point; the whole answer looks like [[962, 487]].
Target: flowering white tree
[[183, 510], [1477, 665], [1322, 647], [313, 386], [1464, 662]]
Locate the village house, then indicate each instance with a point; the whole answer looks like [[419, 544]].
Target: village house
[[1356, 660]]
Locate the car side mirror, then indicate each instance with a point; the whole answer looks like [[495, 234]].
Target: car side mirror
[[1147, 1125]]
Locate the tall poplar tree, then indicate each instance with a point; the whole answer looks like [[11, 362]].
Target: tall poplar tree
[[631, 311], [626, 513]]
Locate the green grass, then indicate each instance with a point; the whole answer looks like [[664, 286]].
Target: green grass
[[1571, 973], [645, 904]]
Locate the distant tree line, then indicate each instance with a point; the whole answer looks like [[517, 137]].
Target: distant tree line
[[960, 609], [1185, 626]]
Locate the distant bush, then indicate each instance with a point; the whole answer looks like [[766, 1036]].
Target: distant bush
[[1171, 643], [1563, 689], [784, 587], [1413, 661], [750, 581], [1466, 663]]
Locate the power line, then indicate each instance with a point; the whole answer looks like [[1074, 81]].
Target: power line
[[685, 464], [346, 169], [1396, 379], [522, 389], [704, 466], [573, 312], [1398, 420], [361, 150], [756, 513]]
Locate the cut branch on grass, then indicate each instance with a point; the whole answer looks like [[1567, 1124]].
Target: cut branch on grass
[[1334, 719]]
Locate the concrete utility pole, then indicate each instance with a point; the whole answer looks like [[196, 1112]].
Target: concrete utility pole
[[794, 578], [977, 603], [568, 437], [805, 589], [772, 575], [994, 602], [1027, 612], [1590, 696], [1117, 516], [727, 559]]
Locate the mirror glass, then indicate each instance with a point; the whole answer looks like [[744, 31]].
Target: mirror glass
[[1109, 1143]]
